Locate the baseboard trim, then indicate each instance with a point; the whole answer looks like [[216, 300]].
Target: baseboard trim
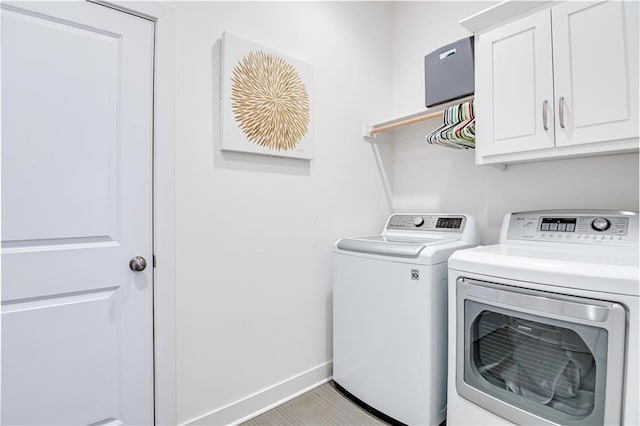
[[266, 399]]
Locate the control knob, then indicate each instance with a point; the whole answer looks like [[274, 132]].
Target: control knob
[[418, 221], [600, 224]]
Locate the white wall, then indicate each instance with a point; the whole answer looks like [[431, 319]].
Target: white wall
[[254, 234], [433, 178]]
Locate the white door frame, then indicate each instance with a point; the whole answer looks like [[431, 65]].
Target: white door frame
[[164, 233]]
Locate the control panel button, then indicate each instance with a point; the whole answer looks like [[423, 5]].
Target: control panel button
[[571, 227], [600, 224], [545, 227], [418, 221], [553, 227], [562, 227]]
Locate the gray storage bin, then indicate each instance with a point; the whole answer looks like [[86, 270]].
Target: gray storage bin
[[448, 72]]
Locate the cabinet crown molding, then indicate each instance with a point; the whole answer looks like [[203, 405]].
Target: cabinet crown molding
[[502, 13]]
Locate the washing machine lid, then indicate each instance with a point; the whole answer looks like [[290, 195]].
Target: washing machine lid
[[386, 245], [601, 269]]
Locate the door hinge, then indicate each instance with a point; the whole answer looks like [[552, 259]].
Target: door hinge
[[154, 260]]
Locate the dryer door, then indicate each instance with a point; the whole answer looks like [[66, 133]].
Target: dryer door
[[536, 357]]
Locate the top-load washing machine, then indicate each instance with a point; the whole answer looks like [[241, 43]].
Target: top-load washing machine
[[543, 327], [389, 314]]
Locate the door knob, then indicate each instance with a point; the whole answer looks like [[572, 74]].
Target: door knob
[[138, 263]]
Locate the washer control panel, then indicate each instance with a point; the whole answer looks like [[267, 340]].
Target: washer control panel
[[588, 227], [433, 223]]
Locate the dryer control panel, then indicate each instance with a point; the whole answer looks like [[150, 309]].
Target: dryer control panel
[[569, 226]]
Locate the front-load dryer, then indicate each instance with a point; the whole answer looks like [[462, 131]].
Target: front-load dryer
[[389, 314], [544, 326]]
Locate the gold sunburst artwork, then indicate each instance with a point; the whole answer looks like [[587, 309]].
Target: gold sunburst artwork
[[266, 101], [269, 101]]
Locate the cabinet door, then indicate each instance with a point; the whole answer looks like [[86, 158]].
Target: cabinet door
[[514, 83], [595, 49]]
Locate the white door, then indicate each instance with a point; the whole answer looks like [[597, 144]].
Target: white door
[[595, 55], [77, 342], [514, 87]]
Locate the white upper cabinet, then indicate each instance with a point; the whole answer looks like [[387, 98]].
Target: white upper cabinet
[[514, 86], [558, 83], [595, 52]]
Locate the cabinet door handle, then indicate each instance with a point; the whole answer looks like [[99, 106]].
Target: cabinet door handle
[[561, 111], [545, 104]]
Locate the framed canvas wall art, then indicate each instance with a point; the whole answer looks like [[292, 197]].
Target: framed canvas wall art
[[266, 100]]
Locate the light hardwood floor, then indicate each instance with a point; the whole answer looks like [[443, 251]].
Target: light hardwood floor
[[323, 405]]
